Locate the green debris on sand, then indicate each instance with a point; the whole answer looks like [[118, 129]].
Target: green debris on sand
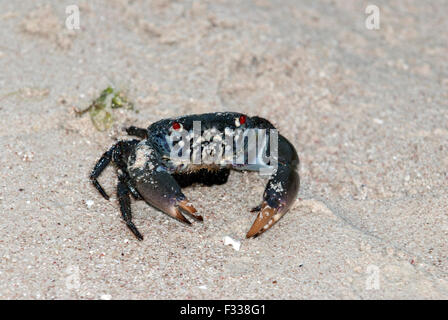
[[102, 108]]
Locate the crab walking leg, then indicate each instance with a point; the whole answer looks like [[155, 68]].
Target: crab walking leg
[[281, 190], [137, 132], [124, 177], [125, 206], [99, 167], [160, 189], [115, 154], [133, 191]]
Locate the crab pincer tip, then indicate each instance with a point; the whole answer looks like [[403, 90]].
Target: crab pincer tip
[[188, 208], [265, 219]]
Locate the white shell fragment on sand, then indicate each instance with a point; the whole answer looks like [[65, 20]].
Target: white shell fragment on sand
[[89, 203], [234, 243]]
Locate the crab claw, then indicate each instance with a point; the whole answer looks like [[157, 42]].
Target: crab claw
[[160, 189], [175, 213], [265, 219], [186, 206], [278, 198], [280, 193]]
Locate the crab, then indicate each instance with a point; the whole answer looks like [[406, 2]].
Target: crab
[[202, 148]]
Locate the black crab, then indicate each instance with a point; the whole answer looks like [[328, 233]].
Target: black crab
[[148, 169]]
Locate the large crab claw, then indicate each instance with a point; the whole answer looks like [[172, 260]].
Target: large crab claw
[[160, 189], [154, 185], [162, 192], [281, 190]]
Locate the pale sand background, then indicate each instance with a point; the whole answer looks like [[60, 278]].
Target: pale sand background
[[366, 110]]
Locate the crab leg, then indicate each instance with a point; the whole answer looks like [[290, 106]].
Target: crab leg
[[125, 206], [99, 167], [138, 132], [114, 154]]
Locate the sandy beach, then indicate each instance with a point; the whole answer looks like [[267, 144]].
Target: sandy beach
[[366, 109]]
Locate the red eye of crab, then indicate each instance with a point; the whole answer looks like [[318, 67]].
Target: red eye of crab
[[176, 125], [242, 119]]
